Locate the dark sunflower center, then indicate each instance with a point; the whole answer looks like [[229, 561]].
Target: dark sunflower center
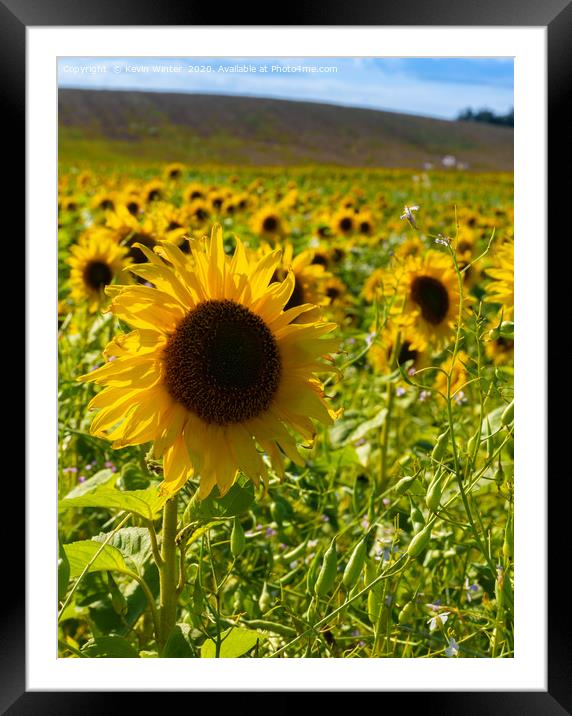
[[270, 223], [217, 202], [332, 292], [196, 194], [133, 208], [320, 259], [346, 223], [297, 298], [174, 225], [405, 353], [135, 253], [153, 195], [432, 297], [97, 274], [222, 363], [106, 204], [365, 227], [505, 344], [174, 173]]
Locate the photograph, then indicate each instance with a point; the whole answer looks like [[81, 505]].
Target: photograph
[[285, 357]]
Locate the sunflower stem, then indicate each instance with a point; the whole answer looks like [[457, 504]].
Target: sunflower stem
[[168, 572], [384, 437]]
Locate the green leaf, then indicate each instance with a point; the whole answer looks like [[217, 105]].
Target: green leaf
[[114, 647], [363, 429], [236, 642], [79, 554], [236, 501], [63, 574], [100, 479], [145, 503], [133, 543], [179, 644]]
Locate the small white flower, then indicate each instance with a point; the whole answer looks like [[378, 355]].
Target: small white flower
[[438, 620], [443, 240], [452, 649], [408, 214]]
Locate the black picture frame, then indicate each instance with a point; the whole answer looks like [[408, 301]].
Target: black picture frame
[[556, 16]]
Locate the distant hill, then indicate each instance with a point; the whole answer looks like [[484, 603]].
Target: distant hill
[[111, 126]]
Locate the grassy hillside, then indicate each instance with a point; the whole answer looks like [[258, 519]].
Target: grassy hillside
[[109, 126]]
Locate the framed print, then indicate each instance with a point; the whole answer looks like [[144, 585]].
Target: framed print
[[294, 426]]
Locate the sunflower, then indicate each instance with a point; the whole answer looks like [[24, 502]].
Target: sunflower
[[374, 285], [104, 201], [344, 222], [153, 190], [95, 261], [410, 247], [427, 295], [499, 350], [459, 375], [309, 280], [194, 191], [174, 171], [214, 368], [198, 212], [268, 223], [501, 288], [364, 222], [381, 354]]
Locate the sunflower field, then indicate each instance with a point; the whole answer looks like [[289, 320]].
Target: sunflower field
[[285, 413]]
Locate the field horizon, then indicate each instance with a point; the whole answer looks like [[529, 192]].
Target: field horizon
[[110, 126]]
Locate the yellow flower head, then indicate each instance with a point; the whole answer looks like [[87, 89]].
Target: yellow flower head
[[501, 288], [459, 374], [427, 299], [268, 223], [215, 371], [95, 261], [174, 171], [382, 355]]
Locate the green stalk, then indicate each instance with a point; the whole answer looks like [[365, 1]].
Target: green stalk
[[168, 572]]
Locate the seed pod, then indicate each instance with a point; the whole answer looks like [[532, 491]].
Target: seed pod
[[419, 541], [355, 564], [507, 329], [433, 497], [404, 484], [493, 334], [293, 553], [417, 519], [440, 446], [237, 539], [490, 441], [508, 414], [327, 574], [312, 573], [237, 602], [273, 627], [473, 445], [265, 600], [374, 594], [499, 475], [406, 614]]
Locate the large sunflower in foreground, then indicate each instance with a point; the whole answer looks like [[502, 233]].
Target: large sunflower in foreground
[[95, 261], [427, 298], [214, 369]]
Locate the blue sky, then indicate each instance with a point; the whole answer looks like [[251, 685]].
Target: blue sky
[[434, 87]]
